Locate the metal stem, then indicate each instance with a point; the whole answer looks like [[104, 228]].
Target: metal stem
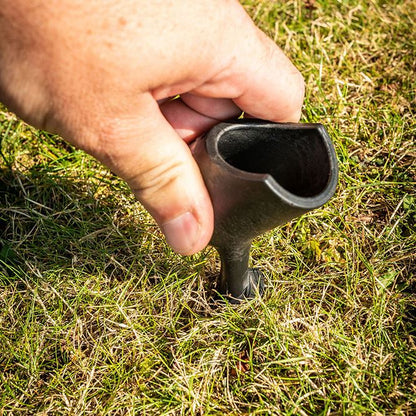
[[234, 277]]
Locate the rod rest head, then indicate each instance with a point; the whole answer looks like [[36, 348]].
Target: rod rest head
[[260, 175]]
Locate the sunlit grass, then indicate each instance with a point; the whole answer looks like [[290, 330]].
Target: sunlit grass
[[99, 316]]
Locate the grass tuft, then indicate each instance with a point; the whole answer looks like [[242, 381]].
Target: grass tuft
[[98, 316]]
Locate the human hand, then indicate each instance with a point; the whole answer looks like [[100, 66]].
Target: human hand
[[101, 75]]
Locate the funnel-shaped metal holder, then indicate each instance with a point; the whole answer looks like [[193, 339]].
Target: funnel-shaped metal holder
[[260, 175]]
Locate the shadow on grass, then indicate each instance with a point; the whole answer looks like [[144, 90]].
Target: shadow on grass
[[53, 222]]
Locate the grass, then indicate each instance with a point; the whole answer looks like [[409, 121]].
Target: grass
[[98, 316]]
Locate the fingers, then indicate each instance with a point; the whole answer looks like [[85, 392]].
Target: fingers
[[272, 87], [258, 77], [191, 115], [158, 166]]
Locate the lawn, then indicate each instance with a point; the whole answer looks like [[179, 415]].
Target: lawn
[[99, 316]]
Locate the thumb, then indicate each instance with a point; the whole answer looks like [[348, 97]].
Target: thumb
[[159, 168]]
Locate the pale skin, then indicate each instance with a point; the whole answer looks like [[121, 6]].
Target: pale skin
[[101, 73]]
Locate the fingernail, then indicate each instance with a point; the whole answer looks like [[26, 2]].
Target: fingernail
[[182, 232]]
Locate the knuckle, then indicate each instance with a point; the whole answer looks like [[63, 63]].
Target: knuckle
[[129, 150], [155, 178]]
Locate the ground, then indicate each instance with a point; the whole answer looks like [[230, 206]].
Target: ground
[[99, 316]]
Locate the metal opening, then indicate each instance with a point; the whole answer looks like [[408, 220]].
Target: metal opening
[[296, 158]]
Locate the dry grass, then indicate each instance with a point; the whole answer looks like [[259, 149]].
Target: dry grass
[[98, 316]]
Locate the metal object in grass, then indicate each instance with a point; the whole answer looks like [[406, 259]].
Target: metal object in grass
[[260, 175]]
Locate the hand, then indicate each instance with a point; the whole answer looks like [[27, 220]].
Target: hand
[[101, 75]]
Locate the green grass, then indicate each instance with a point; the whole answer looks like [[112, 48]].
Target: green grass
[[98, 316]]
